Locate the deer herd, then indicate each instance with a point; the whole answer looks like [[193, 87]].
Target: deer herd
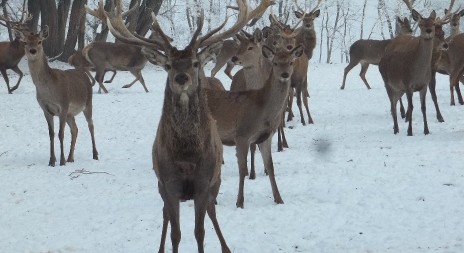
[[199, 116]]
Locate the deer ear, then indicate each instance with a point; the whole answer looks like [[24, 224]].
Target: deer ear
[[298, 51], [433, 14], [209, 53], [240, 37], [461, 13], [415, 15], [317, 13], [44, 33], [298, 14], [258, 36], [267, 31], [154, 56], [398, 19], [406, 20], [267, 52]]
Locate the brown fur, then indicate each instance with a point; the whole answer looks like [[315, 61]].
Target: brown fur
[[252, 116], [62, 93], [10, 55], [105, 56]]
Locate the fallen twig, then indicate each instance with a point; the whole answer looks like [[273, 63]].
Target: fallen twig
[[78, 173]]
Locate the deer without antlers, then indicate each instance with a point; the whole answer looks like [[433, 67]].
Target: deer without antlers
[[78, 61], [187, 151], [410, 70], [62, 93], [11, 52], [367, 52]]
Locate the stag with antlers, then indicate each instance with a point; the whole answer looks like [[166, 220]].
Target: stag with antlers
[[187, 152]]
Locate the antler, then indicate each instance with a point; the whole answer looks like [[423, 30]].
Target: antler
[[408, 4], [447, 18]]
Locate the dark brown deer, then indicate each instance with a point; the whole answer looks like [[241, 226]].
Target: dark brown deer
[[62, 93], [369, 51], [410, 70], [11, 52], [187, 152]]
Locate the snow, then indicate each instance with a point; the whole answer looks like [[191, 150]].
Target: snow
[[349, 184]]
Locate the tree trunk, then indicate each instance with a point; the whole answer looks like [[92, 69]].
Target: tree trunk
[[49, 18], [75, 22], [33, 7], [63, 12], [103, 35]]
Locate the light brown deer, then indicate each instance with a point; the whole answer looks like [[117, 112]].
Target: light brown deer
[[111, 56], [187, 152], [62, 93], [11, 52], [455, 65], [410, 70], [454, 22], [252, 116], [228, 50], [366, 52]]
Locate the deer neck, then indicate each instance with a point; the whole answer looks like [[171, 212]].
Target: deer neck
[[423, 57], [40, 71], [308, 38], [276, 93], [257, 73], [454, 30]]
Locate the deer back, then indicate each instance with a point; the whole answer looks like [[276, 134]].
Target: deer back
[[115, 56], [11, 53]]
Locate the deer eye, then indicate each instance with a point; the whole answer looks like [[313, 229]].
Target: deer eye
[[167, 67], [275, 63], [196, 64], [250, 48], [40, 42]]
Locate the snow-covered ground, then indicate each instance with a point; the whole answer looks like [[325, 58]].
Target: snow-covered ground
[[349, 184]]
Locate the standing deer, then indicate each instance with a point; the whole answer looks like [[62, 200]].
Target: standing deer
[[369, 51], [12, 52], [455, 22], [62, 93], [228, 50], [455, 65], [187, 152], [252, 116], [410, 70]]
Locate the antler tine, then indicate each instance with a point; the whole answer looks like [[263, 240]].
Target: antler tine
[[165, 40], [131, 10], [197, 32], [317, 6], [447, 18], [117, 27], [408, 4], [277, 22], [299, 21], [244, 17], [298, 7]]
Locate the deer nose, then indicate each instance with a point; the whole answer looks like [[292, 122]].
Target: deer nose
[[234, 58], [289, 47], [33, 51], [428, 30], [285, 75], [181, 78], [446, 46]]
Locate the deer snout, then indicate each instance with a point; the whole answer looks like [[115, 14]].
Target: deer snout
[[285, 75], [445, 46], [32, 51], [181, 78], [429, 30], [234, 59], [289, 47]]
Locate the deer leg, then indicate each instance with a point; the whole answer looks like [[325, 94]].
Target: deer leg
[[214, 191], [290, 104], [168, 192], [51, 134], [305, 102], [362, 74], [201, 204], [300, 107], [284, 140], [74, 131], [252, 154], [241, 149], [230, 65], [112, 77], [7, 80], [90, 76], [432, 85], [423, 92], [452, 85], [265, 148], [280, 147], [347, 70], [458, 90], [164, 230], [409, 112], [99, 78], [20, 73], [402, 111], [88, 118], [393, 101], [62, 118], [219, 64]]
